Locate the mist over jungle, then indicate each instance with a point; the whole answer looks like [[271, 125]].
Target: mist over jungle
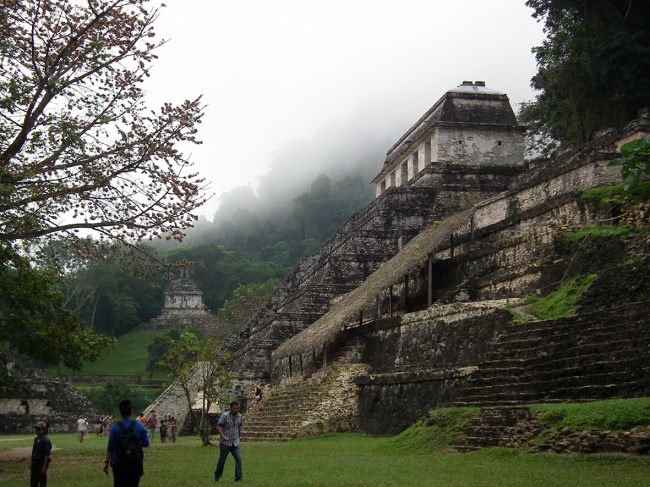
[[256, 236]]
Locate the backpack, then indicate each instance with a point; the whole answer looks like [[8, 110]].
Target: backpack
[[129, 447]]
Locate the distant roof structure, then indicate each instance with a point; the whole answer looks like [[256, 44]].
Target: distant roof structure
[[183, 285], [474, 87], [471, 104]]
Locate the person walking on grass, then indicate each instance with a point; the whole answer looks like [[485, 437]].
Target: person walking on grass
[[40, 459], [81, 429], [171, 421], [124, 451], [152, 422], [163, 431], [229, 426]]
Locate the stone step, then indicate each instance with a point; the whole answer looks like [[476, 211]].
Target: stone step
[[620, 350], [466, 448], [524, 348], [508, 403], [505, 363], [270, 432], [279, 422], [585, 393], [287, 408], [560, 379], [585, 365], [551, 331]]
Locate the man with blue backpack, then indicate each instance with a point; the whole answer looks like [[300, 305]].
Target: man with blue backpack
[[124, 452]]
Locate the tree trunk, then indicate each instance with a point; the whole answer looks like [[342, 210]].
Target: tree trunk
[[205, 428]]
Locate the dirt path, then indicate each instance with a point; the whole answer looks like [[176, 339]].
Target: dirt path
[[16, 454]]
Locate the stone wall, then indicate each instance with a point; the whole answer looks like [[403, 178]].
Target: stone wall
[[471, 146], [521, 427], [418, 361], [60, 402]]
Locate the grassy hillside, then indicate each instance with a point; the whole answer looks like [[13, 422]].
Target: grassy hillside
[[128, 358]]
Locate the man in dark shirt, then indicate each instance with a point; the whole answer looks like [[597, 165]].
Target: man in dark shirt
[[125, 473], [172, 427], [229, 425], [40, 457]]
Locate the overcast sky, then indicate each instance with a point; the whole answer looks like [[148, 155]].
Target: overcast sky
[[275, 70]]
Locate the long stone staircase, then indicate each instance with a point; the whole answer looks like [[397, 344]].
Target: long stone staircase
[[323, 402], [594, 356]]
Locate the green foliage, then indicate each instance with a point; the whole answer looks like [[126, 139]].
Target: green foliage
[[440, 430], [587, 231], [107, 397], [112, 300], [198, 363], [563, 301], [321, 211], [250, 243], [219, 270], [539, 142], [634, 163], [610, 415], [560, 303], [248, 299], [604, 194], [592, 67], [33, 317], [517, 317], [158, 349], [615, 194], [79, 150], [128, 357]]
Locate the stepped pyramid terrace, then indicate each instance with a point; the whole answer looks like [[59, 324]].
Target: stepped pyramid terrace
[[406, 307]]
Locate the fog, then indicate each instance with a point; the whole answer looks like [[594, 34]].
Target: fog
[[295, 88]]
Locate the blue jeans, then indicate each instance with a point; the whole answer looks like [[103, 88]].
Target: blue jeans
[[236, 454]]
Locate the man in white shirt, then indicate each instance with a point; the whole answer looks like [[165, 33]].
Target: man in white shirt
[[81, 429]]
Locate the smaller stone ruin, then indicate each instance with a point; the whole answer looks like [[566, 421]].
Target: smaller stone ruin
[[183, 308], [40, 397]]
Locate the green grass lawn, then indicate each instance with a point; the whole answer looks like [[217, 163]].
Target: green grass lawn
[[128, 358], [338, 460]]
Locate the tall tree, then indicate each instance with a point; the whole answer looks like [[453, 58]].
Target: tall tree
[[592, 68], [197, 366], [247, 300], [80, 150], [34, 320]]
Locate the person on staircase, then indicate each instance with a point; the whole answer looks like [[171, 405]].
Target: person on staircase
[[258, 398], [229, 427]]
